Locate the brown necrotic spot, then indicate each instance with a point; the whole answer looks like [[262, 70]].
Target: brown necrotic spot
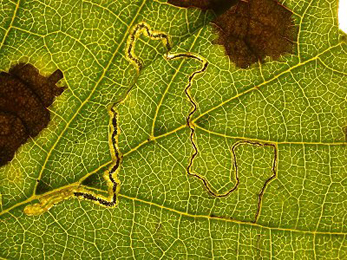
[[252, 30], [344, 130], [24, 98]]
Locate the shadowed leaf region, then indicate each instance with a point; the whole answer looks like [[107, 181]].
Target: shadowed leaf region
[[218, 6]]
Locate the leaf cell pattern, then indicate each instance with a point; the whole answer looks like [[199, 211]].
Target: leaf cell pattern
[[296, 103]]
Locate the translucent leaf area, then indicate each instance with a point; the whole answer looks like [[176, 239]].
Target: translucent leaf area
[[162, 148]]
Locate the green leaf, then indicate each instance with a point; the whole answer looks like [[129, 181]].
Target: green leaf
[[257, 170]]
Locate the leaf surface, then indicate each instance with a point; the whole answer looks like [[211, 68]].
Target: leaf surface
[[257, 170]]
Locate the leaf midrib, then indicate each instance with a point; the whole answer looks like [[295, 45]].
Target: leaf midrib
[[276, 76], [169, 133], [186, 214], [103, 74]]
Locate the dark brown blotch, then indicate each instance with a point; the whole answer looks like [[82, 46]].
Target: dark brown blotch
[[254, 29], [24, 98]]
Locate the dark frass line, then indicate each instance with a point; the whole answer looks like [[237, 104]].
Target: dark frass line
[[195, 153], [92, 197], [154, 35], [143, 27], [136, 32], [130, 51]]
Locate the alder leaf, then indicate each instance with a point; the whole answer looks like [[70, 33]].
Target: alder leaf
[[161, 147]]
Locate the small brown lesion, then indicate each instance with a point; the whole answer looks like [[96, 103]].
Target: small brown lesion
[[251, 30], [24, 98], [344, 130]]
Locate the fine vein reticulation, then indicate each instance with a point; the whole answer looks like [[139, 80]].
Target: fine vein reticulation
[[236, 170], [111, 175], [195, 153], [47, 201], [113, 184], [145, 29]]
